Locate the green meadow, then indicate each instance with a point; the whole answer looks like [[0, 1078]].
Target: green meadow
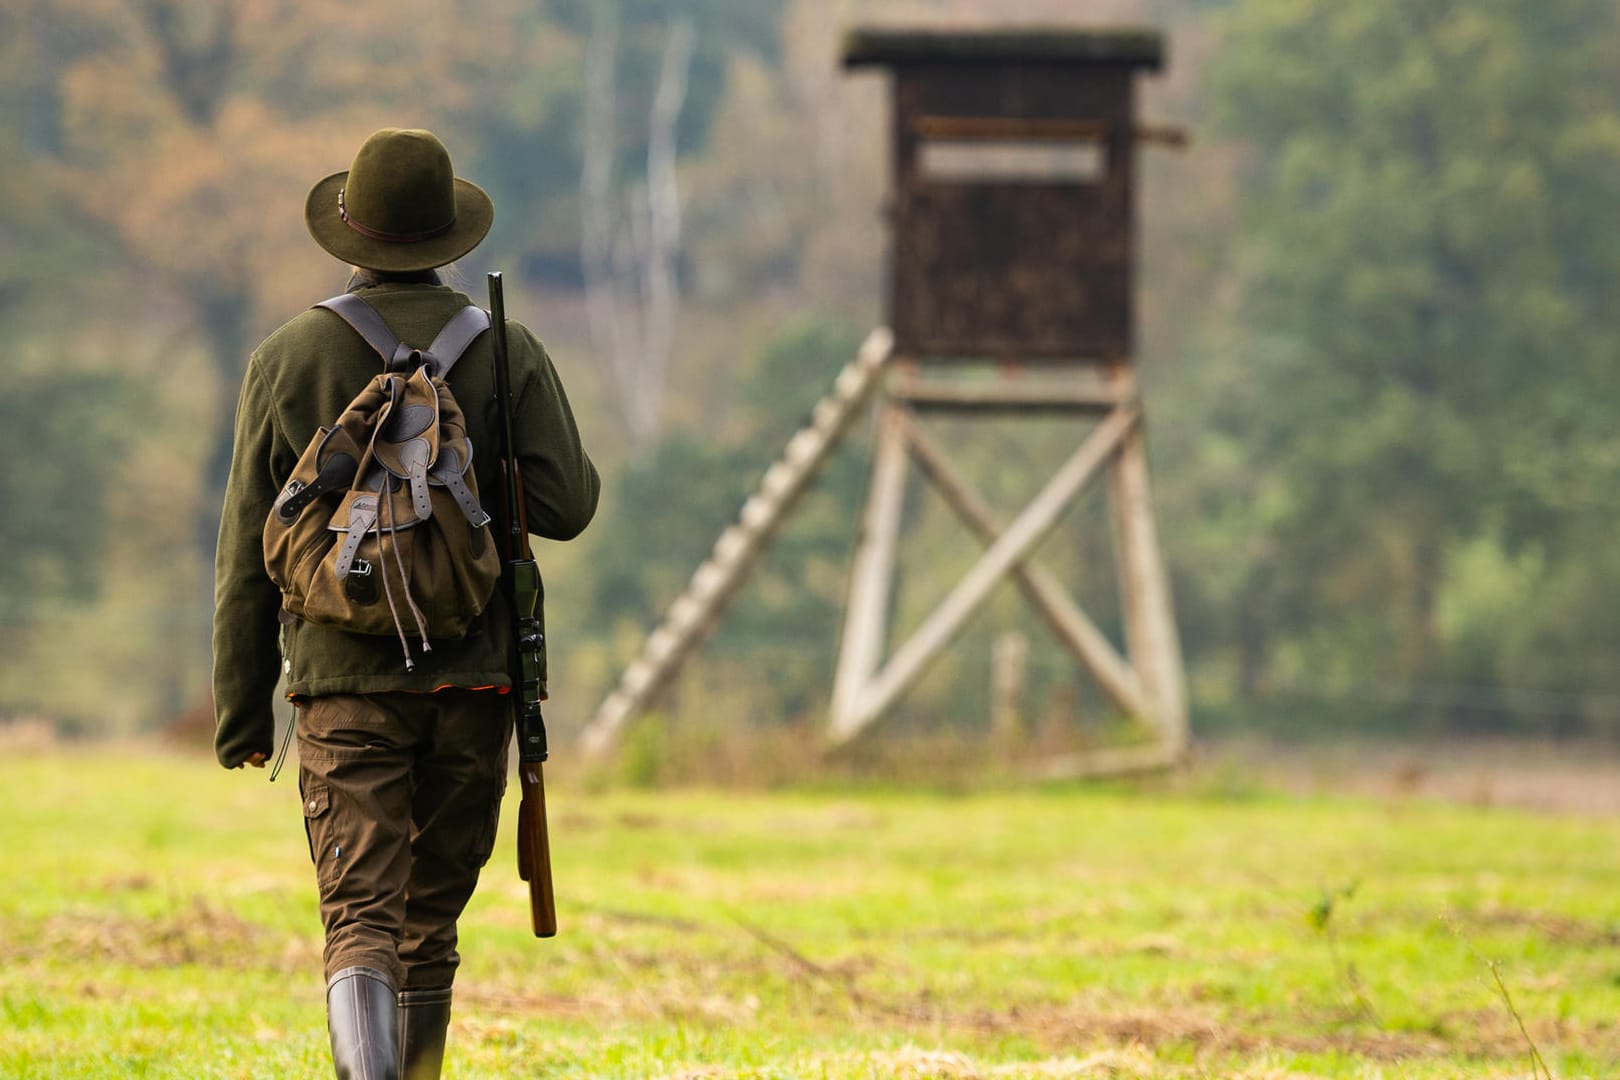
[[158, 920]]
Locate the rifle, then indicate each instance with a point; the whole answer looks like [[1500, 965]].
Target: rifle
[[525, 595]]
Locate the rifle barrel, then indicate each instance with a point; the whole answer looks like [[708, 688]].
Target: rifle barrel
[[503, 394]]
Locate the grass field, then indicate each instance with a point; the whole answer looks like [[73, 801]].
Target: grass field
[[158, 921]]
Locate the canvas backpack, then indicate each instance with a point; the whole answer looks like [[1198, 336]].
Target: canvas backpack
[[380, 529]]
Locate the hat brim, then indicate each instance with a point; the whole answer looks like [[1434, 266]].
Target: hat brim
[[474, 215]]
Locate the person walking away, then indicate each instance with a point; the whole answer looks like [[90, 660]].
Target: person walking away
[[402, 730]]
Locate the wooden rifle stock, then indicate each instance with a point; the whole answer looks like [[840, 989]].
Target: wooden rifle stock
[[520, 580]]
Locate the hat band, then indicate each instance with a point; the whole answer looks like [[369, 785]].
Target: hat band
[[391, 237]]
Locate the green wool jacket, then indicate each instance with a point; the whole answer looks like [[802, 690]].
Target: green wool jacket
[[302, 377]]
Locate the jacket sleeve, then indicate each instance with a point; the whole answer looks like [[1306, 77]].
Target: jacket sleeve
[[560, 485], [246, 602]]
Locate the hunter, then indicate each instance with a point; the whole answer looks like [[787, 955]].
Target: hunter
[[402, 759]]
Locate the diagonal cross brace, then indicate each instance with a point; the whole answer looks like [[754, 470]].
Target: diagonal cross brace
[[1012, 548], [1089, 646]]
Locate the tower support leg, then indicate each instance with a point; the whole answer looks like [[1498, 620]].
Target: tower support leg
[[1150, 627], [871, 585]]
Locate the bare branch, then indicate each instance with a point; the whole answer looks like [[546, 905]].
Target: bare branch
[[596, 192], [659, 284], [630, 258]]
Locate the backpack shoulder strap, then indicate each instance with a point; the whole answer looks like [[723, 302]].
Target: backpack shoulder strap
[[457, 334], [460, 332], [366, 322]]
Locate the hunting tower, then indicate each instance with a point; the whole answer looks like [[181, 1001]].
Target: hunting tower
[[1012, 256], [1010, 277]]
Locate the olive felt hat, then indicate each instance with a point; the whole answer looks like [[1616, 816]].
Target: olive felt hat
[[399, 206]]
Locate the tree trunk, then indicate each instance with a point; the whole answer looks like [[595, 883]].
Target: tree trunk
[[225, 326]]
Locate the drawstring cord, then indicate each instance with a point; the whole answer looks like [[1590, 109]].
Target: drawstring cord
[[404, 579], [286, 741], [382, 564], [410, 601]]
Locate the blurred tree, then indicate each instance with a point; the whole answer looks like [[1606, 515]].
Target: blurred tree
[[629, 247], [630, 211], [724, 29], [68, 428], [62, 423], [1421, 325]]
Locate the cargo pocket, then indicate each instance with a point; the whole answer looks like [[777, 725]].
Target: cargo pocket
[[483, 834], [317, 828]]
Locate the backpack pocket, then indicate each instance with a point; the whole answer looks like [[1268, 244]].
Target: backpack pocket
[[343, 583]]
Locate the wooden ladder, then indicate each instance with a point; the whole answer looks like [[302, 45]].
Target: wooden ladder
[[697, 610]]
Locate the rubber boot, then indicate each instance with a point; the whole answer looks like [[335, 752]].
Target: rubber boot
[[360, 1017], [424, 1020]]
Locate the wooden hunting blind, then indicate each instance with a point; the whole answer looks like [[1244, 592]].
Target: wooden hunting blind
[[1011, 276], [1013, 167]]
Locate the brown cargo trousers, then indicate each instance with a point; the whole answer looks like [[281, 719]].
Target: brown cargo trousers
[[402, 795]]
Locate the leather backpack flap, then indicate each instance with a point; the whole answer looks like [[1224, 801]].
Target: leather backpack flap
[[407, 441]]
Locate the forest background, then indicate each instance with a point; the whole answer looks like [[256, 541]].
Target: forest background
[[1380, 337]]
